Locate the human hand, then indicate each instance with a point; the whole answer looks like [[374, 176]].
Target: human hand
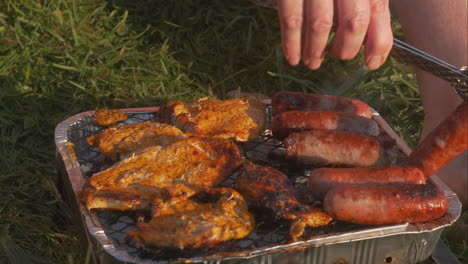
[[306, 26]]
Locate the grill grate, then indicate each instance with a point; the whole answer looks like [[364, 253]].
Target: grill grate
[[265, 151]]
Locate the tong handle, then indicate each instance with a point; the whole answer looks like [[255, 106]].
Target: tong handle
[[458, 78]]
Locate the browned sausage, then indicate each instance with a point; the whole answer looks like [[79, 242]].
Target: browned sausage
[[444, 143], [283, 101], [295, 121], [323, 179], [391, 203], [321, 147]]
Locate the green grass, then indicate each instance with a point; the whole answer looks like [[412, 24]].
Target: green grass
[[62, 57]]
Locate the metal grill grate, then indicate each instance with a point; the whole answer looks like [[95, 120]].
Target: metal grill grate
[[265, 151]]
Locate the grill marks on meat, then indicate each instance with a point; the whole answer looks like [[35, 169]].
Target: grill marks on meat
[[106, 118], [241, 119], [188, 224], [126, 139], [182, 169], [283, 101], [391, 203], [269, 188]]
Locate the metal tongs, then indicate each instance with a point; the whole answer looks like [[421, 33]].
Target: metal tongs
[[458, 78]]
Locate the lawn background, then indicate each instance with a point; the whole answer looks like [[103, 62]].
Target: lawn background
[[62, 57]]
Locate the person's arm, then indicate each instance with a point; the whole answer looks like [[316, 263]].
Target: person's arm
[[440, 29]]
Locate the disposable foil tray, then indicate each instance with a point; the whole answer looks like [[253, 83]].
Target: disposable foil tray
[[337, 243]]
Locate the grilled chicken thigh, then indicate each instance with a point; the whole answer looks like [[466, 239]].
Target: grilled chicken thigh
[[269, 188], [181, 169], [241, 119], [188, 224], [134, 197], [106, 118], [123, 140]]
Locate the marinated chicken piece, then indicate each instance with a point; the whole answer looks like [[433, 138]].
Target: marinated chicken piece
[[106, 118], [188, 224], [241, 119], [182, 169], [126, 139], [135, 197], [269, 188]]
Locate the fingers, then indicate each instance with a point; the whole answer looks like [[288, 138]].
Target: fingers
[[379, 39], [310, 21], [318, 23], [291, 18], [353, 21]]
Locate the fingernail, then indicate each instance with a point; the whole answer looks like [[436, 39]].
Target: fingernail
[[374, 62], [315, 64], [293, 60]]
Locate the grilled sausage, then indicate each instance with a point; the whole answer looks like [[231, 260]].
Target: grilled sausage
[[392, 203], [444, 143], [323, 179], [283, 101], [295, 121], [321, 147]]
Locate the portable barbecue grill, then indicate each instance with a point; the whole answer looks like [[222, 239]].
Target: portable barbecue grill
[[337, 243]]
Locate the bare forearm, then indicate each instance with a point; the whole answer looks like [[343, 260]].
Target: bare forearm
[[439, 28]]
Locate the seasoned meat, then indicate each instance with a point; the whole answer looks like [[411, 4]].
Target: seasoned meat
[[320, 147], [323, 179], [445, 142], [286, 100], [390, 203], [296, 121], [106, 118], [134, 197], [182, 169], [188, 224], [241, 119], [126, 139], [269, 188]]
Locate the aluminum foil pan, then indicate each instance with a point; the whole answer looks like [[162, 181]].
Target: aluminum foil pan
[[337, 243]]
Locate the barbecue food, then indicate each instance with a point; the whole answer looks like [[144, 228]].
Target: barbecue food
[[134, 197], [269, 188], [391, 203], [283, 101], [106, 118], [296, 121], [188, 224], [323, 179], [320, 147], [241, 119], [180, 170], [444, 143], [126, 139]]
